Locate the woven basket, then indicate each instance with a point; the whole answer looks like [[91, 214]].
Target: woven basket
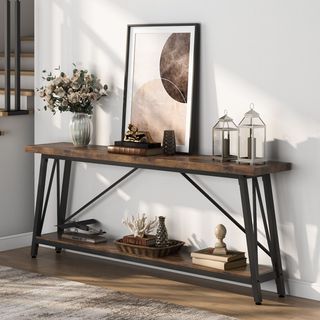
[[151, 252]]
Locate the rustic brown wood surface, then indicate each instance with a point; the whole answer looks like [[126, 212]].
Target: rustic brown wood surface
[[22, 54], [182, 260], [4, 113], [192, 163], [22, 72]]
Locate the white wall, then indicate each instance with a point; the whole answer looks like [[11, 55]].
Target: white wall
[[16, 177], [16, 167], [266, 52]]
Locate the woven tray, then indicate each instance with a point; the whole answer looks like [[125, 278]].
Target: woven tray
[[151, 252]]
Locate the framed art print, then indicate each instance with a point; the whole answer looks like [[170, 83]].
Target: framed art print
[[161, 81]]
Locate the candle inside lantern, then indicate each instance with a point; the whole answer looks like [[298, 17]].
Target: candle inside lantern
[[226, 147], [251, 146]]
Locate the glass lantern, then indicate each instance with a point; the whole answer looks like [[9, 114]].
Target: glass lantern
[[252, 138], [224, 139]]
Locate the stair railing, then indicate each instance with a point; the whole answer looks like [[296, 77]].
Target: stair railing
[[17, 54], [17, 15], [7, 52]]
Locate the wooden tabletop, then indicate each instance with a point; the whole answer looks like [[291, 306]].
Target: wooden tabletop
[[199, 164]]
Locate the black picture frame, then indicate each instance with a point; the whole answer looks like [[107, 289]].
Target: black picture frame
[[192, 125]]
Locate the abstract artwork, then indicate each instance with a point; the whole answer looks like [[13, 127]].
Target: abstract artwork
[[160, 80]]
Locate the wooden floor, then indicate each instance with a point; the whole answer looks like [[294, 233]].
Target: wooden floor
[[209, 295]]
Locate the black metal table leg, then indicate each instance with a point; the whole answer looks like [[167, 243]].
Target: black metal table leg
[[39, 205], [251, 240], [65, 191], [276, 257], [62, 200], [58, 250]]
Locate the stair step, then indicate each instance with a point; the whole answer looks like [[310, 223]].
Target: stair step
[[23, 54], [4, 113], [23, 72], [23, 92], [27, 38], [26, 102]]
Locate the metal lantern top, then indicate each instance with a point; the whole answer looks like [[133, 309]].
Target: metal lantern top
[[252, 119], [225, 123]]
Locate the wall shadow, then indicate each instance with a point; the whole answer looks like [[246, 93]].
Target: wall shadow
[[297, 222]]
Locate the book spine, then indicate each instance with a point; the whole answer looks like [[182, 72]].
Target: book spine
[[209, 263], [208, 257], [79, 238], [127, 150], [143, 145], [219, 264], [216, 257], [135, 151]]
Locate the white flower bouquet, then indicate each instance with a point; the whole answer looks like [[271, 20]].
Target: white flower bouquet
[[75, 94]]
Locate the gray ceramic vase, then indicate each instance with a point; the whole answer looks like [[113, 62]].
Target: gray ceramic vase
[[81, 129]]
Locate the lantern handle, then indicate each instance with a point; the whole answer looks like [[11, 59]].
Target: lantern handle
[[225, 112], [251, 105]]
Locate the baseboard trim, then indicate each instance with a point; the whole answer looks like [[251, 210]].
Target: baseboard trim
[[15, 241], [308, 290]]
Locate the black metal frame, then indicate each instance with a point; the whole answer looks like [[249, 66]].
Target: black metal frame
[[194, 125], [249, 210], [17, 57]]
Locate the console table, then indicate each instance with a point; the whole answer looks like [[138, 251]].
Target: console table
[[185, 165]]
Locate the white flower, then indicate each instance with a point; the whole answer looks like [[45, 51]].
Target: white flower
[[57, 81], [75, 86], [42, 93], [49, 89], [64, 103], [74, 97], [60, 92], [48, 98]]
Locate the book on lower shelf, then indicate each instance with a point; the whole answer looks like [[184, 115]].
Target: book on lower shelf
[[82, 237], [208, 254], [221, 265], [135, 151]]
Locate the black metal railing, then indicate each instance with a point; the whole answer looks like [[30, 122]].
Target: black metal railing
[[16, 54], [17, 83], [7, 52]]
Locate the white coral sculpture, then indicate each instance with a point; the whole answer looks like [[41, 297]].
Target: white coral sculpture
[[140, 226]]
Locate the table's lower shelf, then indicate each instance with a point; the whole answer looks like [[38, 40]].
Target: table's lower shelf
[[180, 262]]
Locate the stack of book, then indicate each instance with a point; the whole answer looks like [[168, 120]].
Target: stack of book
[[84, 237], [229, 261], [83, 231], [136, 148]]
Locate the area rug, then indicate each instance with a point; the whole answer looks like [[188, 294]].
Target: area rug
[[26, 296]]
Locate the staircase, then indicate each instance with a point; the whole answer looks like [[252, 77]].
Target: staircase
[[26, 78], [16, 65]]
